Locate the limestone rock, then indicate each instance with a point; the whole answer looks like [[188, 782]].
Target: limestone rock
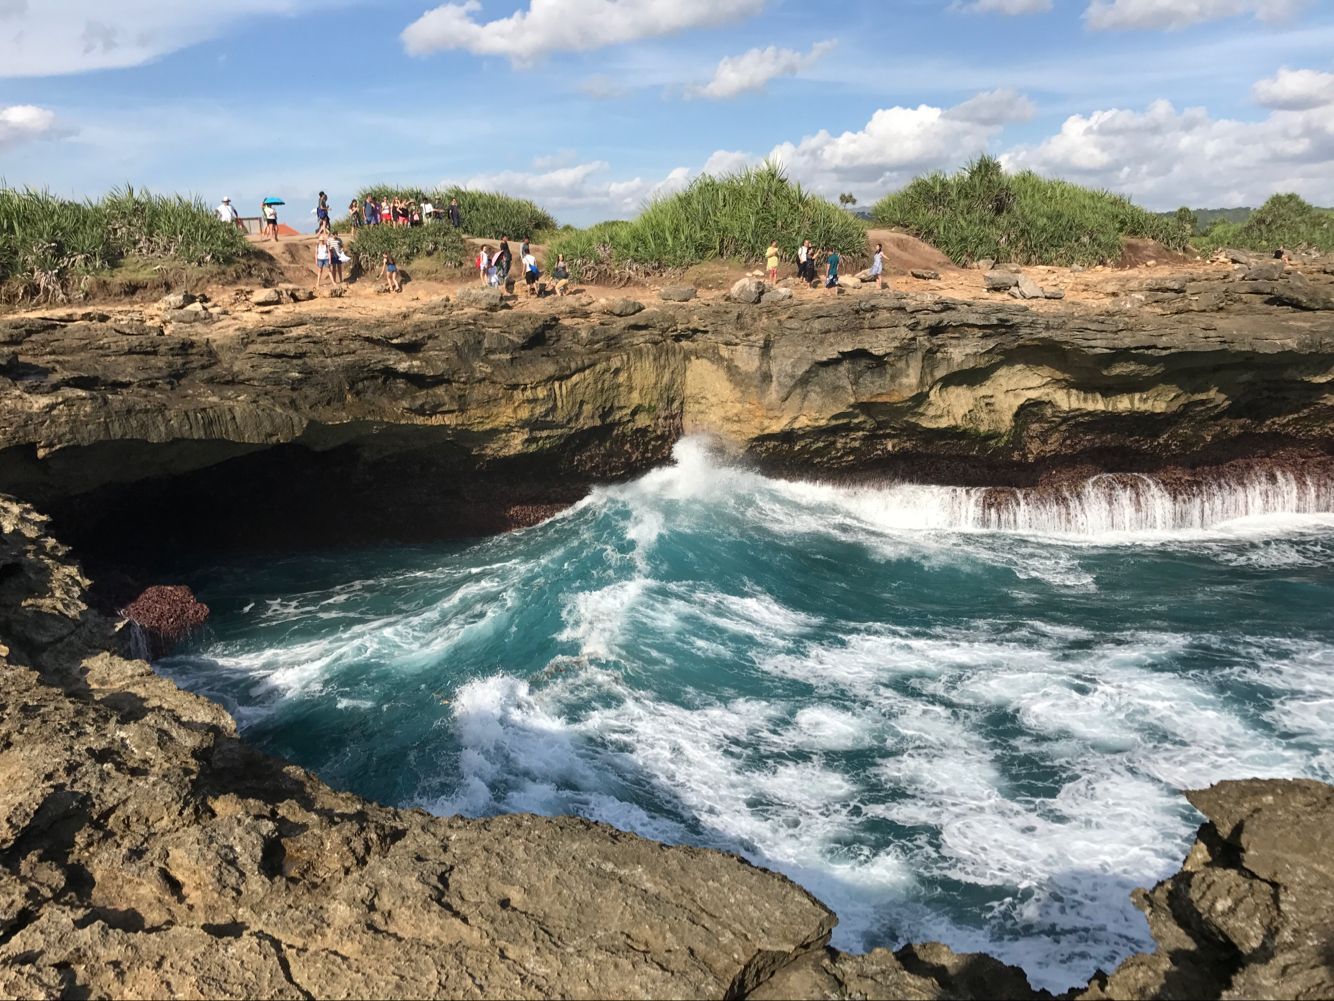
[[622, 307], [925, 275], [185, 316], [296, 293], [473, 297], [177, 300], [266, 297], [1266, 271], [1000, 281], [1053, 293], [677, 293], [849, 281], [747, 291], [1027, 288], [776, 295]]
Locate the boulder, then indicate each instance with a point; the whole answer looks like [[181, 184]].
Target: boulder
[[489, 299], [1054, 293], [296, 293], [266, 297], [985, 264], [776, 295], [925, 275], [622, 307], [849, 281], [184, 316], [677, 293], [178, 300], [1000, 281], [1028, 288], [747, 290], [1267, 271]]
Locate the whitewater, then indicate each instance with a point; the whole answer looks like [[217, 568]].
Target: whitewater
[[951, 714]]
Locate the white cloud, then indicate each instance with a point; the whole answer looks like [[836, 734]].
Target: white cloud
[[1164, 157], [602, 88], [55, 37], [1296, 90], [1102, 15], [564, 25], [1005, 6], [725, 161], [583, 188], [753, 69], [898, 143], [24, 122]]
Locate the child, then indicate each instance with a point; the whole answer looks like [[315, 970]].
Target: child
[[390, 271], [771, 262]]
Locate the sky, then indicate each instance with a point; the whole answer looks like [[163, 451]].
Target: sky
[[590, 107]]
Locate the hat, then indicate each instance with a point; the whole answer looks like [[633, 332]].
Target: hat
[[225, 198]]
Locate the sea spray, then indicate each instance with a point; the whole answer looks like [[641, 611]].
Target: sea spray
[[952, 713]]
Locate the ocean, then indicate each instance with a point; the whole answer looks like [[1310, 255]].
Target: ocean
[[951, 714]]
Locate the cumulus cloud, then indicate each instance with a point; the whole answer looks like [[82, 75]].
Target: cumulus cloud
[[55, 37], [549, 26], [898, 143], [21, 123], [753, 69], [1005, 6], [1163, 157], [585, 188], [1296, 90], [1103, 15]]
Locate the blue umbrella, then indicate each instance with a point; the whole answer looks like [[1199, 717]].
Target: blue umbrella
[[274, 201]]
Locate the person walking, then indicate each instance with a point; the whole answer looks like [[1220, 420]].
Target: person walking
[[771, 262], [270, 215], [227, 212], [493, 269], [322, 214], [322, 262], [389, 268], [455, 213], [832, 261], [876, 272], [530, 272]]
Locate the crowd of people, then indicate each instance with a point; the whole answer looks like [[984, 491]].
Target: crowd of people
[[385, 211]]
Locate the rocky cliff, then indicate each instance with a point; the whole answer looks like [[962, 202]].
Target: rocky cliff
[[264, 423], [145, 851]]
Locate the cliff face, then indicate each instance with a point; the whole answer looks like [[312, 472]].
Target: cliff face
[[145, 851], [455, 420]]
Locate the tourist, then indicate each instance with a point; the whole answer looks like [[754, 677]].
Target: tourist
[[354, 213], [322, 214], [455, 214], [831, 262], [427, 211], [227, 212], [270, 214], [321, 262], [803, 260], [390, 271], [530, 272], [876, 272], [504, 260], [483, 262], [493, 269], [561, 272], [1281, 254], [337, 258], [523, 248], [372, 211], [771, 262]]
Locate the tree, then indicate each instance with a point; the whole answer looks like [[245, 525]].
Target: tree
[[847, 198]]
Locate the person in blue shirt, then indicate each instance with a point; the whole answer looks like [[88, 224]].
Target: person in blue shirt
[[831, 261]]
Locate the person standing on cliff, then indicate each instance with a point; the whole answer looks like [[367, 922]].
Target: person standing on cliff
[[803, 259], [455, 213], [270, 214], [227, 213], [832, 261], [771, 262]]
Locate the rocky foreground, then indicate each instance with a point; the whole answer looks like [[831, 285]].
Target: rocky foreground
[[277, 424], [146, 851]]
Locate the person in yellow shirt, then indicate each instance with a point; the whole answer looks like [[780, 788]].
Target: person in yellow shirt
[[771, 261]]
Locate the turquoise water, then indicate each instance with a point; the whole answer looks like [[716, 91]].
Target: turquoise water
[[947, 718]]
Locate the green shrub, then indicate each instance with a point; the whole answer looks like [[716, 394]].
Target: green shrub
[[409, 243], [1284, 221], [982, 212], [733, 217], [485, 214], [49, 245]]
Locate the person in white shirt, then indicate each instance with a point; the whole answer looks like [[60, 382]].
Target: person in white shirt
[[321, 261], [228, 214], [428, 211], [530, 272]]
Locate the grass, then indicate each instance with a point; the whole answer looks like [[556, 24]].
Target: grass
[[982, 212], [52, 248], [485, 214], [1285, 220], [733, 217], [433, 240]]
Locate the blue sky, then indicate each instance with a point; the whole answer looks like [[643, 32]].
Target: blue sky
[[591, 106]]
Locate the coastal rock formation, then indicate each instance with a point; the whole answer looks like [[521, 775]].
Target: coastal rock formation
[[146, 851], [441, 419]]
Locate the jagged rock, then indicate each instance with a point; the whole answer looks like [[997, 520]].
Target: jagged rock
[[925, 275], [1266, 271], [747, 291], [677, 293], [266, 297], [489, 299], [1294, 290], [177, 300], [165, 615], [776, 295], [1243, 257], [1027, 288], [296, 293], [1000, 281], [622, 307]]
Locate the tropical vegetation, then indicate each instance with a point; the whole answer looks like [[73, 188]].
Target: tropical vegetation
[[1285, 220], [485, 214]]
